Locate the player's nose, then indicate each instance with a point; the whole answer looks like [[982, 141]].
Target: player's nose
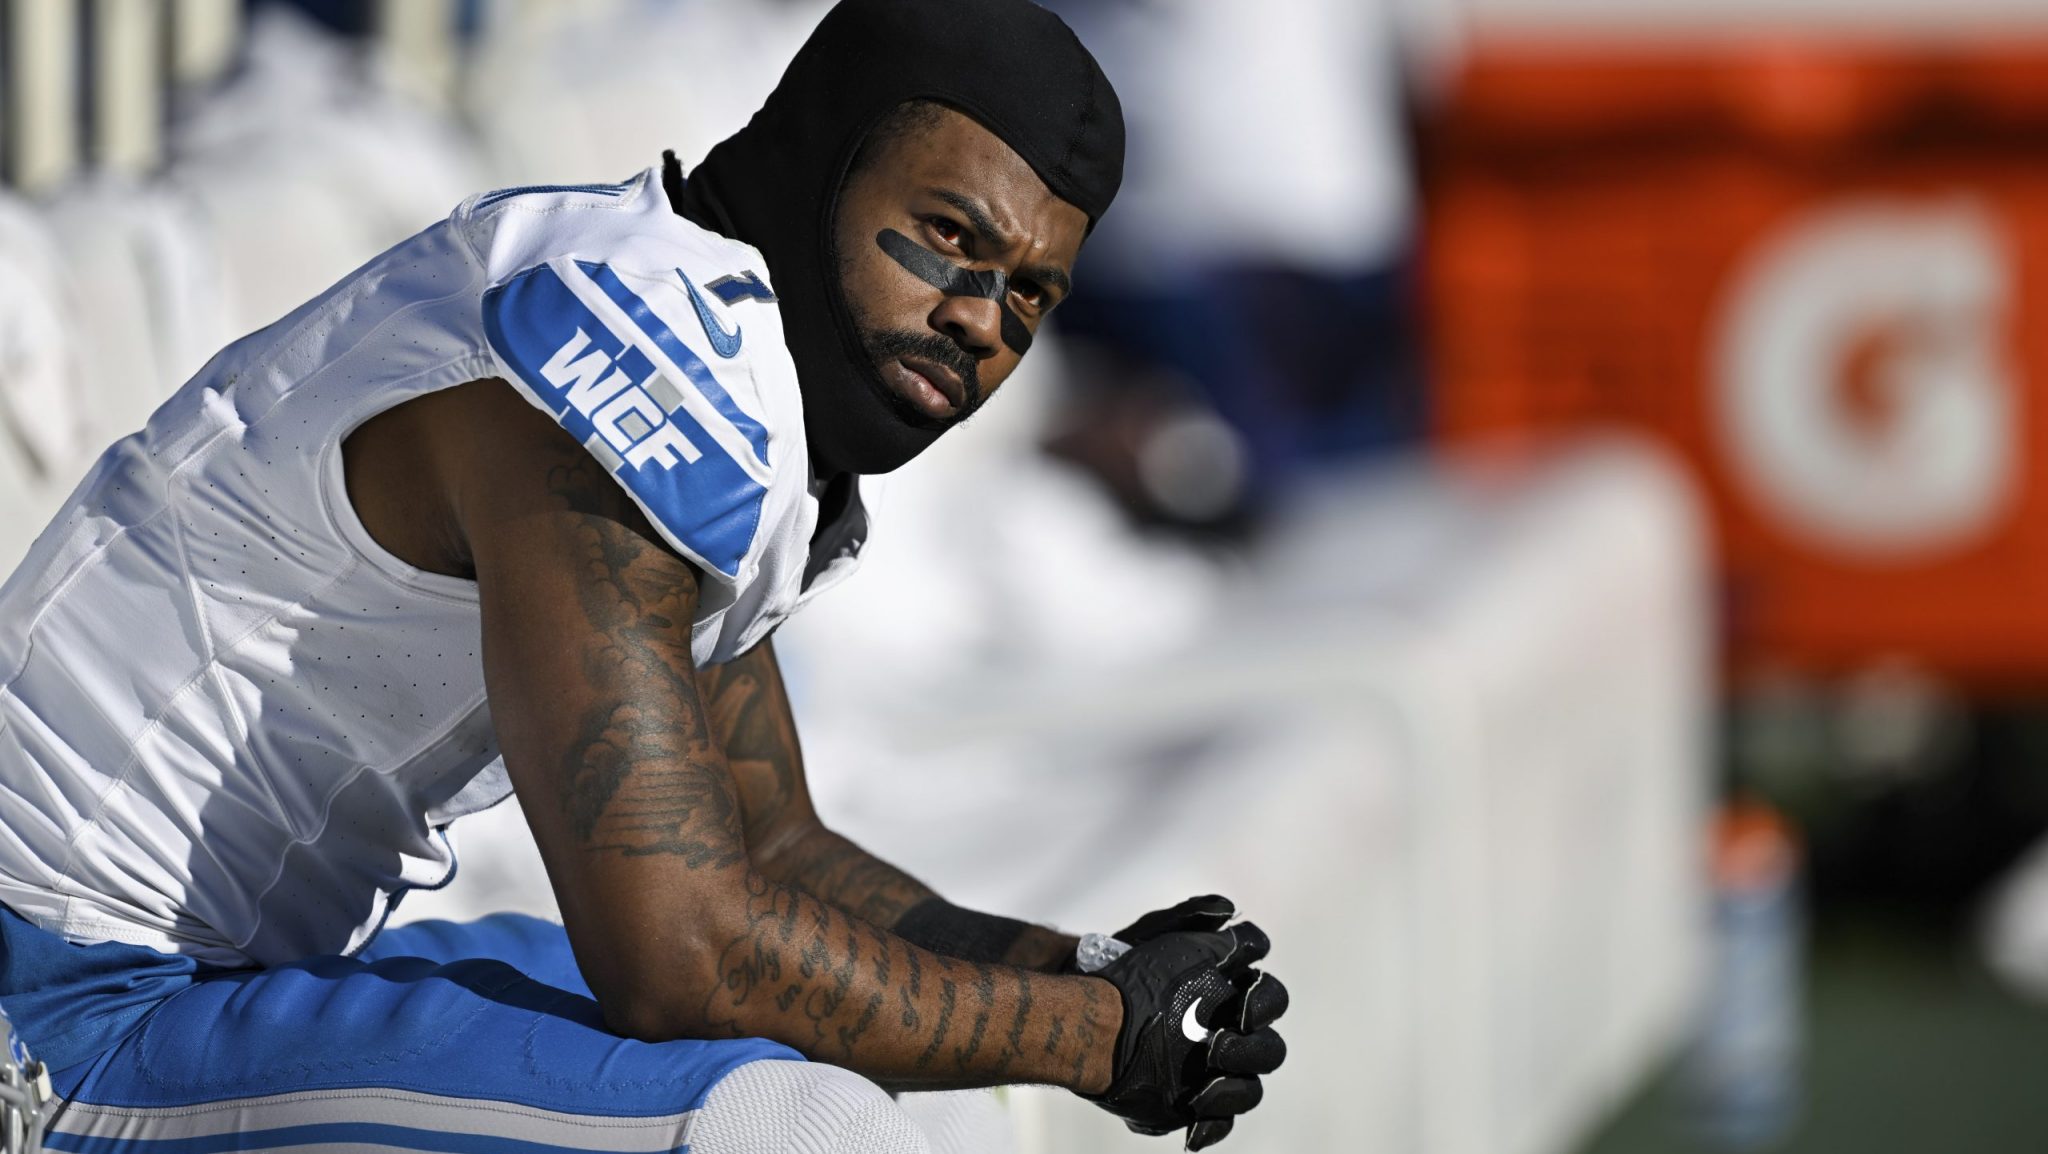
[[974, 323]]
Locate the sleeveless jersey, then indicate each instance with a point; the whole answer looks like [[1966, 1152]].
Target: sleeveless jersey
[[231, 725]]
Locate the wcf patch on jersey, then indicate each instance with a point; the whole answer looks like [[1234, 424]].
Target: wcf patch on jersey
[[593, 352]]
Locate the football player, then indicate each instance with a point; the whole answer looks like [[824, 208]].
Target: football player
[[516, 507]]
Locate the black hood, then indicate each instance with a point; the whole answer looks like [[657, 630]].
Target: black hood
[[1009, 64]]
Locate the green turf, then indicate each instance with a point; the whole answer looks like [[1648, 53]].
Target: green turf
[[1912, 1049]]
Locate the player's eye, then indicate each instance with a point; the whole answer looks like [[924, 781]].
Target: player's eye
[[1029, 292], [947, 231]]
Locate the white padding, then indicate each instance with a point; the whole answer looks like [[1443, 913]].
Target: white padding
[[802, 1108], [962, 1121]]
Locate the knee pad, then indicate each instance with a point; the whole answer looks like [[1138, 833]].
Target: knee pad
[[962, 1121], [778, 1107]]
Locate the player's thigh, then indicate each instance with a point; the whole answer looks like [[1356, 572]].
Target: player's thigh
[[534, 946], [416, 1054]]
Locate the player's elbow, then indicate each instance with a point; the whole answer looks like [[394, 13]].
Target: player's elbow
[[678, 984], [660, 1006], [645, 1019]]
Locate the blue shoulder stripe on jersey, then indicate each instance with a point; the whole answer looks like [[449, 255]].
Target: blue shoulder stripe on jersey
[[491, 198], [693, 366], [354, 1134], [608, 395]]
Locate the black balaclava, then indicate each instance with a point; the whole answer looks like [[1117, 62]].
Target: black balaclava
[[1009, 64]]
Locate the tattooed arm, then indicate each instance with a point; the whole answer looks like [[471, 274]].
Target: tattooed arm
[[642, 821], [751, 721]]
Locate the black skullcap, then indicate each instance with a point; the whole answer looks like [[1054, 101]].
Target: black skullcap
[[1014, 67]]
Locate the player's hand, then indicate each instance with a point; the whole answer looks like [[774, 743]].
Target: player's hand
[[1197, 1032], [1206, 914]]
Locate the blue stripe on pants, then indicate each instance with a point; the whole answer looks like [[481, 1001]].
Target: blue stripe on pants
[[469, 1023], [329, 1133]]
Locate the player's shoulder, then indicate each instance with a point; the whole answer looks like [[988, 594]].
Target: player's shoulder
[[620, 256], [657, 344], [626, 226]]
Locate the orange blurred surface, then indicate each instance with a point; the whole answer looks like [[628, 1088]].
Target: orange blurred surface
[[1812, 270]]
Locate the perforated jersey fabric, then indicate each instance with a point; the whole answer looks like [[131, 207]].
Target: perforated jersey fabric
[[230, 723]]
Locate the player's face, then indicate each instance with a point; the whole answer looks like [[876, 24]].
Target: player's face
[[951, 252]]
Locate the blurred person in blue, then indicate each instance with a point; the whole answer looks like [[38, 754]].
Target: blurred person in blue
[[516, 507], [1248, 314]]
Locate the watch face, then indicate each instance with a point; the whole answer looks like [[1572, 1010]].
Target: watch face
[[1096, 951]]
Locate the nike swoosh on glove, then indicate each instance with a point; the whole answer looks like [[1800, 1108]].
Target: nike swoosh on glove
[[1197, 1032]]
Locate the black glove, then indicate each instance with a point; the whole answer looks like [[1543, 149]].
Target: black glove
[[1197, 1031], [1206, 914]]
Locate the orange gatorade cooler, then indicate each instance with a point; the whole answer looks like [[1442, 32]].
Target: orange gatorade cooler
[[1816, 269]]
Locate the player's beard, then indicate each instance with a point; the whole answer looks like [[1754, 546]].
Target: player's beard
[[884, 345]]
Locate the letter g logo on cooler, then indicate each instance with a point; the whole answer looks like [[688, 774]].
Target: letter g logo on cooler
[[1861, 391]]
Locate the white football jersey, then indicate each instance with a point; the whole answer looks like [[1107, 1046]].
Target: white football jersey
[[231, 724]]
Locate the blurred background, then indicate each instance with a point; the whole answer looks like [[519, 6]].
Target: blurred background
[[1542, 501]]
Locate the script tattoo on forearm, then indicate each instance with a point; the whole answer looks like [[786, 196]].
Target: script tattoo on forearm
[[830, 979], [1091, 1027], [1013, 1042], [985, 993], [931, 1049]]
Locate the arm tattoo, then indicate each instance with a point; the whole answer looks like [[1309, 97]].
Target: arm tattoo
[[641, 776], [808, 974], [910, 991], [985, 992], [1013, 1044], [833, 869], [931, 1050], [1091, 1027], [656, 765], [750, 719]]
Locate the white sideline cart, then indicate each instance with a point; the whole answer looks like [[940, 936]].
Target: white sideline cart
[[1448, 746]]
